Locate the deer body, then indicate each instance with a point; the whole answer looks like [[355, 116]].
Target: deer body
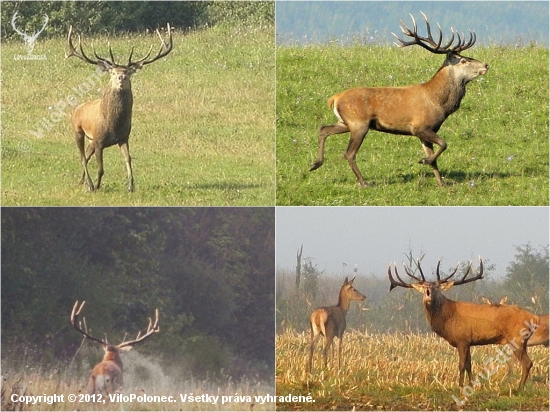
[[331, 321], [466, 324], [417, 110], [108, 121], [107, 376]]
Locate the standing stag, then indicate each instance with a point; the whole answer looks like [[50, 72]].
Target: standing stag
[[418, 110], [331, 321], [465, 324], [108, 121], [106, 376]]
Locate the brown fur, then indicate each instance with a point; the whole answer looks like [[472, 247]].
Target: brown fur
[[418, 110], [331, 321], [108, 121], [466, 324]]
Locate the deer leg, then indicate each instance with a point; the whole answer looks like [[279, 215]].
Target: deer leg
[[464, 364], [355, 142], [328, 344], [85, 155], [99, 160], [340, 341], [324, 132], [526, 363], [126, 153], [314, 340], [428, 138]]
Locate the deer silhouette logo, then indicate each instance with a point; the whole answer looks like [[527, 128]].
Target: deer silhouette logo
[[30, 40]]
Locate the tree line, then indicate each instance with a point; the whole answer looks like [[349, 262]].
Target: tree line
[[109, 17], [307, 286], [209, 271]]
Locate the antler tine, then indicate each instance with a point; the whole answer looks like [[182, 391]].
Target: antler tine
[[437, 270], [463, 45], [165, 48], [479, 275], [74, 319], [151, 328], [111, 53], [451, 275], [393, 282], [420, 269], [409, 272]]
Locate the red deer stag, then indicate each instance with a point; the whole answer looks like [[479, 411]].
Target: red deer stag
[[466, 324], [331, 321], [106, 376], [418, 110], [107, 121]]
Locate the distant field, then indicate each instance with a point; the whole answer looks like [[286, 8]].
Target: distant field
[[403, 372], [203, 123], [497, 141]]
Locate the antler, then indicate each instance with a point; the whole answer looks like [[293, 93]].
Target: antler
[[152, 328], [429, 43], [164, 50], [400, 282], [479, 274], [74, 317], [82, 55]]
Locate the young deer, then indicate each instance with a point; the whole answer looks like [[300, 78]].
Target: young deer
[[108, 121], [418, 110], [106, 376], [466, 324], [331, 321]]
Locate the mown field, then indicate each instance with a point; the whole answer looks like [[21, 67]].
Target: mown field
[[142, 375], [403, 372], [203, 122], [497, 141]]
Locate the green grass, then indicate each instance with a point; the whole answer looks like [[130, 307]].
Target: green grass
[[497, 141], [202, 130], [403, 372]]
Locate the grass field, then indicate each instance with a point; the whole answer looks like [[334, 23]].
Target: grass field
[[497, 141], [203, 122], [403, 372], [141, 376]]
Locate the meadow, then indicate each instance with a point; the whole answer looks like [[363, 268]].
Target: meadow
[[497, 150], [142, 376], [403, 372], [202, 131]]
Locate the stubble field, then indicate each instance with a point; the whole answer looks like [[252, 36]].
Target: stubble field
[[405, 372]]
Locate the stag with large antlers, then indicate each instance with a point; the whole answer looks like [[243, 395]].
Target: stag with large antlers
[[107, 121], [418, 110], [106, 376], [466, 324], [331, 321]]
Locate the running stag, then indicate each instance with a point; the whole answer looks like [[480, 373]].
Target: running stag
[[418, 110]]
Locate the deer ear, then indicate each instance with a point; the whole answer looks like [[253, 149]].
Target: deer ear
[[446, 285], [125, 348], [418, 287]]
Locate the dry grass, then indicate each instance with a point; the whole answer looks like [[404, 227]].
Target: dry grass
[[406, 372]]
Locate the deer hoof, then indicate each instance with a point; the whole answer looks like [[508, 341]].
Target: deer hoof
[[425, 161], [315, 165]]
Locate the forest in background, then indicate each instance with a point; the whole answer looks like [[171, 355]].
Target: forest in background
[[494, 22], [108, 17], [209, 271], [306, 287]]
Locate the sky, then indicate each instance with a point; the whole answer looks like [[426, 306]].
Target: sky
[[493, 21], [372, 237]]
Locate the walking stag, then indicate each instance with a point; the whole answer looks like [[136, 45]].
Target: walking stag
[[108, 121]]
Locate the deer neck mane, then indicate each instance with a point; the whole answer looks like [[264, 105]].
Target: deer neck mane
[[113, 356], [437, 312], [447, 90], [343, 302], [116, 104]]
